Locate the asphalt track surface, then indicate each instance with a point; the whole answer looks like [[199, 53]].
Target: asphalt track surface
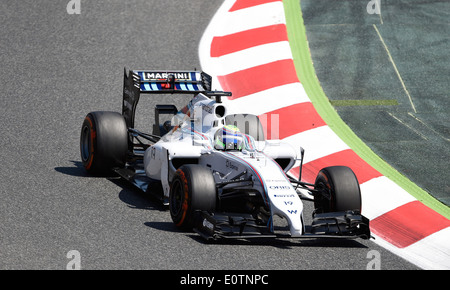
[[58, 67], [387, 76]]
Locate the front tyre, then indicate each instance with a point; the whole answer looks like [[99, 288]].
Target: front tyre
[[192, 189], [103, 142], [338, 190]]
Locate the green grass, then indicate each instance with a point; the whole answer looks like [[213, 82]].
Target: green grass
[[350, 103], [307, 76]]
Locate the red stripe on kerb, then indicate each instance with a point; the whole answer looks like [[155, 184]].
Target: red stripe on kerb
[[363, 171], [291, 120], [259, 78], [241, 4], [222, 45], [408, 224]]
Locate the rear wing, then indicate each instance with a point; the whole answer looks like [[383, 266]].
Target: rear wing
[[166, 82], [137, 82]]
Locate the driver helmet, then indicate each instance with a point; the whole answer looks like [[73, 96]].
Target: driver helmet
[[228, 138]]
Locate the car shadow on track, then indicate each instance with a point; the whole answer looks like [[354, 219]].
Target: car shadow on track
[[164, 226], [286, 243], [135, 198], [130, 195], [282, 243], [76, 170]]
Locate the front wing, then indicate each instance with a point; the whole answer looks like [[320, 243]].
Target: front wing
[[347, 225]]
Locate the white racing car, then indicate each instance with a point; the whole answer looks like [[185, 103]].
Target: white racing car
[[214, 169]]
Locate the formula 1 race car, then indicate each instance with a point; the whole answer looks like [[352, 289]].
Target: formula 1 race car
[[215, 170]]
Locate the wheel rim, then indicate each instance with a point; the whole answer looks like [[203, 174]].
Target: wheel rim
[[85, 143], [176, 199], [323, 203]]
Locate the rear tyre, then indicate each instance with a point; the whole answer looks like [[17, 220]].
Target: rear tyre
[[192, 189], [339, 190], [103, 142]]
